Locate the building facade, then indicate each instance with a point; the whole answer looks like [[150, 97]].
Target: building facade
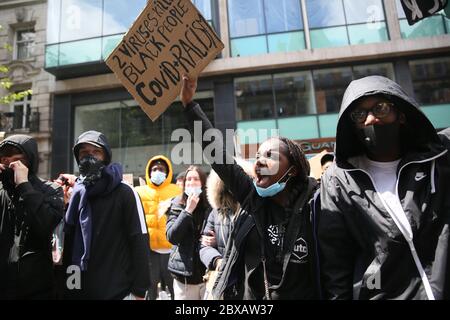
[[285, 67], [22, 51]]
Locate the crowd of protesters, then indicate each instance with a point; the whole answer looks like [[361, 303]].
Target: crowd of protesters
[[374, 226]]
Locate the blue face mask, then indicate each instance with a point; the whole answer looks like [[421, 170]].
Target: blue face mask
[[273, 189], [193, 190], [158, 177]]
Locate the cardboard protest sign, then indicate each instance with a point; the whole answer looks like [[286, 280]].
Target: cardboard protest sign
[[416, 10], [169, 38]]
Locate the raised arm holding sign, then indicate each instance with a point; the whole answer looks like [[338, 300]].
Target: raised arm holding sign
[[169, 38]]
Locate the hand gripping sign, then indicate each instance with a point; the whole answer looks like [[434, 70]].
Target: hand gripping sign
[[169, 38]]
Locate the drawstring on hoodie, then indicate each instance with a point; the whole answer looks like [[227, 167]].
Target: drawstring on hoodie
[[433, 169]]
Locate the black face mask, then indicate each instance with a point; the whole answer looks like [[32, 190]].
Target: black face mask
[[7, 178], [381, 140], [90, 170]]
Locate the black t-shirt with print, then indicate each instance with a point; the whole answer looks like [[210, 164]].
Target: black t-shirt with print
[[298, 282]]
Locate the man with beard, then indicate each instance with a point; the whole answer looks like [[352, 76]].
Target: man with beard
[[106, 236], [385, 205], [30, 208]]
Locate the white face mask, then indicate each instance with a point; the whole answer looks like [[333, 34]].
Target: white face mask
[[193, 190], [158, 177], [273, 189]]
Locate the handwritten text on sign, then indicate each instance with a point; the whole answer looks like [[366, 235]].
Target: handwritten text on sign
[[170, 38]]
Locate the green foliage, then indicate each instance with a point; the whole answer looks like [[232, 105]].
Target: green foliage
[[6, 83], [10, 97]]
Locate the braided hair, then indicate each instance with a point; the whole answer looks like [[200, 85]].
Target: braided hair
[[296, 157], [294, 152]]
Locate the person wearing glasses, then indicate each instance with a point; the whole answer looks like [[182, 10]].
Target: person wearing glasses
[[385, 202]]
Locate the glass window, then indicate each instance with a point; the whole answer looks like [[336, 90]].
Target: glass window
[[431, 81], [328, 124], [81, 19], [80, 51], [53, 20], [109, 44], [330, 85], [329, 37], [338, 23], [325, 13], [368, 33], [204, 6], [242, 47], [252, 132], [246, 18], [294, 94], [132, 136], [400, 11], [283, 15], [254, 98], [22, 111], [299, 128], [52, 56], [285, 42], [431, 26], [119, 15], [366, 11], [25, 43], [384, 69], [73, 20], [306, 102], [279, 25], [439, 115]]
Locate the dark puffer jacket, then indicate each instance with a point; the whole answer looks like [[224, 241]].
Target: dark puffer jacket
[[183, 230]]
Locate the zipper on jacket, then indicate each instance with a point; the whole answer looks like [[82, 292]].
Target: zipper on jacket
[[423, 276]]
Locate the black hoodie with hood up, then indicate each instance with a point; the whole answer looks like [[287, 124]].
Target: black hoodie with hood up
[[119, 252], [33, 209], [363, 253]]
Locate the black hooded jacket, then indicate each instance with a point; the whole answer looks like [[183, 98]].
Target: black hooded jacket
[[119, 252], [363, 253], [32, 209], [284, 234]]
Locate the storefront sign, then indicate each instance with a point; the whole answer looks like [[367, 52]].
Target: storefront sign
[[416, 10], [169, 38], [318, 145], [313, 146]]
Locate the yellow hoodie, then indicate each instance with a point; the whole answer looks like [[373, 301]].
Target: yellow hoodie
[[151, 195]]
